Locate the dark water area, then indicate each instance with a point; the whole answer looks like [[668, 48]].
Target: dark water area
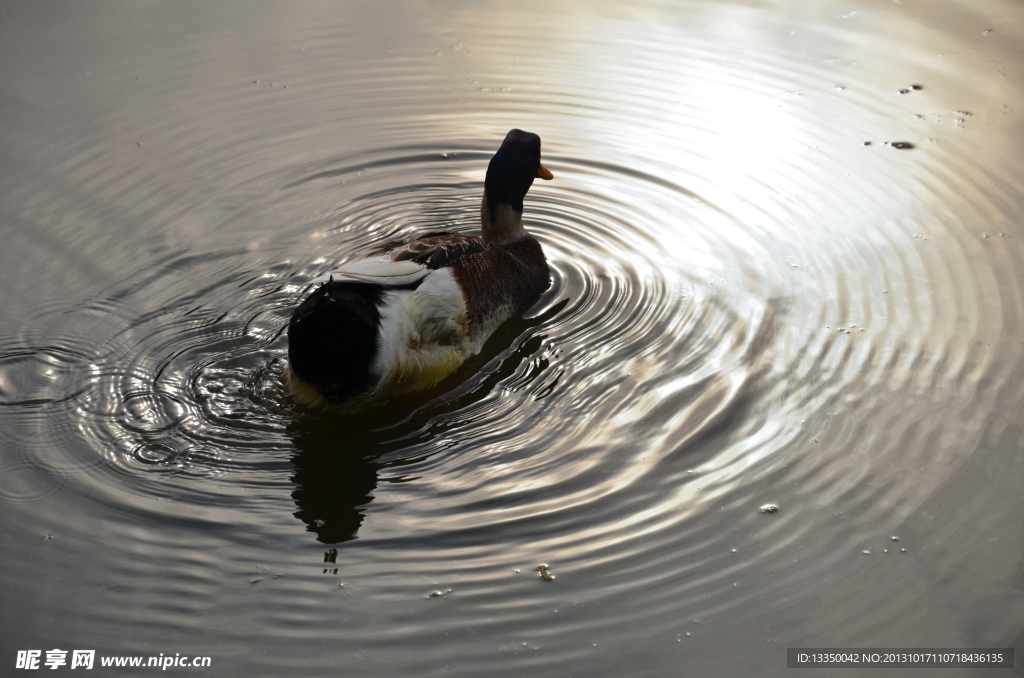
[[787, 256]]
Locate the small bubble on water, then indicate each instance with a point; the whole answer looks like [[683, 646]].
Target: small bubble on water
[[866, 552], [155, 453], [895, 538]]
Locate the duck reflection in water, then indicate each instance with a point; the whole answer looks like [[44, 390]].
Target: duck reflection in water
[[339, 456]]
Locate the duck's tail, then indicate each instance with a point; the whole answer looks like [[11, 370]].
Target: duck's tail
[[333, 339]]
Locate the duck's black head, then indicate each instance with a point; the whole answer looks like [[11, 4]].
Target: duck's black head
[[509, 176], [513, 169]]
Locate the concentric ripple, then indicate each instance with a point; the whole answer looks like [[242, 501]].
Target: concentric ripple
[[38, 376], [785, 246], [27, 482]]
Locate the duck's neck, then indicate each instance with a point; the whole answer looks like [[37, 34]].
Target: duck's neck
[[502, 225]]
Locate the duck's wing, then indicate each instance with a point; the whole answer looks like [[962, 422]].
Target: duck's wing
[[377, 271], [401, 264], [437, 250]]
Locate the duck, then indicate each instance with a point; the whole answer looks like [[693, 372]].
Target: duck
[[406, 314]]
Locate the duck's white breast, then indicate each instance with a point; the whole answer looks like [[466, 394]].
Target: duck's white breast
[[423, 336]]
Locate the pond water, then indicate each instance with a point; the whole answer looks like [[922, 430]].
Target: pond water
[[787, 256]]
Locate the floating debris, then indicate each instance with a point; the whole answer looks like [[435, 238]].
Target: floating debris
[[769, 508], [545, 573]]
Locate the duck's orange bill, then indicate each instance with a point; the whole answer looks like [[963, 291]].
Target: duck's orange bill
[[544, 173]]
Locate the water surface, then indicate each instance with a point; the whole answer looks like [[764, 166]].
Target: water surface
[[786, 270]]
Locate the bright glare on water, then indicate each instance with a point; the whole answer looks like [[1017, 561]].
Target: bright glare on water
[[773, 397]]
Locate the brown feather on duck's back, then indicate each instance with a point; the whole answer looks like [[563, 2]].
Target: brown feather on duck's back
[[510, 276]]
